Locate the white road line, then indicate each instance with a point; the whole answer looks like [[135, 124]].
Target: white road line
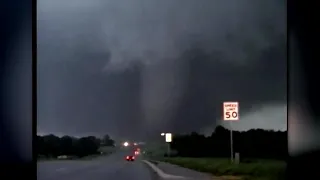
[[161, 173]]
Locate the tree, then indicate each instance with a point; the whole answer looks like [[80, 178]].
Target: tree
[[255, 143], [86, 146], [66, 145], [41, 146], [53, 146], [107, 141]]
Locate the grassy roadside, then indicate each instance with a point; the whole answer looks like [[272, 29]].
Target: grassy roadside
[[253, 170], [104, 151], [89, 157]]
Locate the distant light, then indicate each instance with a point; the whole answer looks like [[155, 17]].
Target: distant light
[[162, 134], [126, 144], [135, 144]]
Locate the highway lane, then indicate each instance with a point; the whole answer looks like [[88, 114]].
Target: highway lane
[[112, 167]]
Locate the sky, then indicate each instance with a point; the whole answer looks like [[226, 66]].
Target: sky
[[135, 69]]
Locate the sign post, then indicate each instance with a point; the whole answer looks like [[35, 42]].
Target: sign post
[[231, 142], [231, 113], [168, 140]]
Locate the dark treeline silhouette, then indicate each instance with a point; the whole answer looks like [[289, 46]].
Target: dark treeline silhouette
[[255, 143], [52, 146]]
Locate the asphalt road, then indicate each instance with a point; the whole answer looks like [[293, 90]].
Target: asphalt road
[[112, 167]]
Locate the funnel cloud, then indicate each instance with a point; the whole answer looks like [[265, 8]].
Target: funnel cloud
[[134, 69]]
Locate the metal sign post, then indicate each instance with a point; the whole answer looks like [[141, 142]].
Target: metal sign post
[[168, 137], [231, 141], [168, 140], [230, 113]]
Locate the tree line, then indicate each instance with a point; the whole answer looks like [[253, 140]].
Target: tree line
[[255, 143], [52, 146]]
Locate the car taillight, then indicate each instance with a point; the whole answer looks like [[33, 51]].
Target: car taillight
[[128, 157], [132, 157]]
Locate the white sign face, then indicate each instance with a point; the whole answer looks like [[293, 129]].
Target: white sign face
[[231, 111], [168, 137]]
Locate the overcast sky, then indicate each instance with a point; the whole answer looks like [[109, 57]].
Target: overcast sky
[[135, 68]]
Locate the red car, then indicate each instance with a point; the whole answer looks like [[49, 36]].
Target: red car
[[130, 158]]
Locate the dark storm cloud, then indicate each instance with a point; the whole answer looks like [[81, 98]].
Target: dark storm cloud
[[136, 68]]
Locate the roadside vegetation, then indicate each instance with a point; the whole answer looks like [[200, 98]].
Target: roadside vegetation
[[253, 169], [262, 153], [51, 147]]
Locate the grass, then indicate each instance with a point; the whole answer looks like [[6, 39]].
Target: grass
[[43, 158], [90, 157], [250, 170], [105, 151], [155, 150]]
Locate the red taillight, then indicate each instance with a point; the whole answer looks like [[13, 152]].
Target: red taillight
[[132, 157], [128, 157]]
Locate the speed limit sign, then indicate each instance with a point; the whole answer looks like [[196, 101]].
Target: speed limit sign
[[231, 111]]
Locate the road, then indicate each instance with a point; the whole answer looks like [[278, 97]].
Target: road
[[112, 167]]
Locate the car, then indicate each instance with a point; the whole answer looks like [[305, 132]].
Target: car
[[130, 158]]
